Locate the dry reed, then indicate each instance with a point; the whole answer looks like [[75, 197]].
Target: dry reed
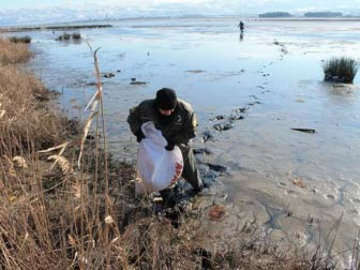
[[25, 123], [11, 53]]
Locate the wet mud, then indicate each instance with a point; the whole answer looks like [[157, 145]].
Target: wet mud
[[291, 185]]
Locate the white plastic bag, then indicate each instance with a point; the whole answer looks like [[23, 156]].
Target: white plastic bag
[[157, 167]]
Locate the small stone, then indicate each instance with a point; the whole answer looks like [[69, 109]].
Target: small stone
[[109, 75]]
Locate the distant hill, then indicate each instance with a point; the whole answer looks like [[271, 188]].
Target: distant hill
[[323, 14], [275, 15]]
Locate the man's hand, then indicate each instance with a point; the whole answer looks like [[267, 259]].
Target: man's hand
[[139, 136], [170, 146]]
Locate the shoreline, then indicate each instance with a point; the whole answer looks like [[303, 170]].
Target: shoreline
[[129, 233], [53, 28]]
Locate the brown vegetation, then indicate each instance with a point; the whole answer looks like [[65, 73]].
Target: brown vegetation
[[13, 53], [25, 123]]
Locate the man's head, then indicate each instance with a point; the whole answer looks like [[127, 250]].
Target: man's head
[[166, 101]]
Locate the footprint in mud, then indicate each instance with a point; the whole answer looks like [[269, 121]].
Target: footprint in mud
[[241, 110], [202, 151], [222, 126], [254, 103], [236, 117], [356, 200], [354, 211], [217, 118], [226, 124], [217, 168], [330, 197], [207, 136], [291, 192]]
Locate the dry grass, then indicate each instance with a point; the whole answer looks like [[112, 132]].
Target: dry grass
[[25, 122], [50, 218], [11, 53], [53, 221]]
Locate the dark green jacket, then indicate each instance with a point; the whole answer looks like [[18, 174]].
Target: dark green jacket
[[178, 128]]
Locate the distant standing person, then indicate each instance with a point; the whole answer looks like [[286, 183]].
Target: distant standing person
[[241, 26]]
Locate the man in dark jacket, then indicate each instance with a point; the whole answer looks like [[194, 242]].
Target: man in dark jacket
[[241, 26], [176, 119]]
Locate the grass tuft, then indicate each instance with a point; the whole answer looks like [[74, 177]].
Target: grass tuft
[[340, 70], [66, 36], [25, 39], [76, 36]]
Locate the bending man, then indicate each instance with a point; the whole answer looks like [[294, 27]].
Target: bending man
[[176, 119]]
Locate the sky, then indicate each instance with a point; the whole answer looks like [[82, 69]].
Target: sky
[[41, 11]]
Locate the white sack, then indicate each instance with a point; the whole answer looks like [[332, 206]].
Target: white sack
[[157, 167]]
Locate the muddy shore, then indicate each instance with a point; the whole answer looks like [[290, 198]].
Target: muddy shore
[[280, 181]]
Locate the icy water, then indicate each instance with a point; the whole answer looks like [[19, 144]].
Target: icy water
[[274, 71]]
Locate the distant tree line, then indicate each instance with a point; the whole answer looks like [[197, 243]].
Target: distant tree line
[[323, 14], [275, 15]]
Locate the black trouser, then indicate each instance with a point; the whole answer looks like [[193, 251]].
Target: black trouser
[[190, 173]]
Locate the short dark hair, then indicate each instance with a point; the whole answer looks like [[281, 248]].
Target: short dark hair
[[166, 99]]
